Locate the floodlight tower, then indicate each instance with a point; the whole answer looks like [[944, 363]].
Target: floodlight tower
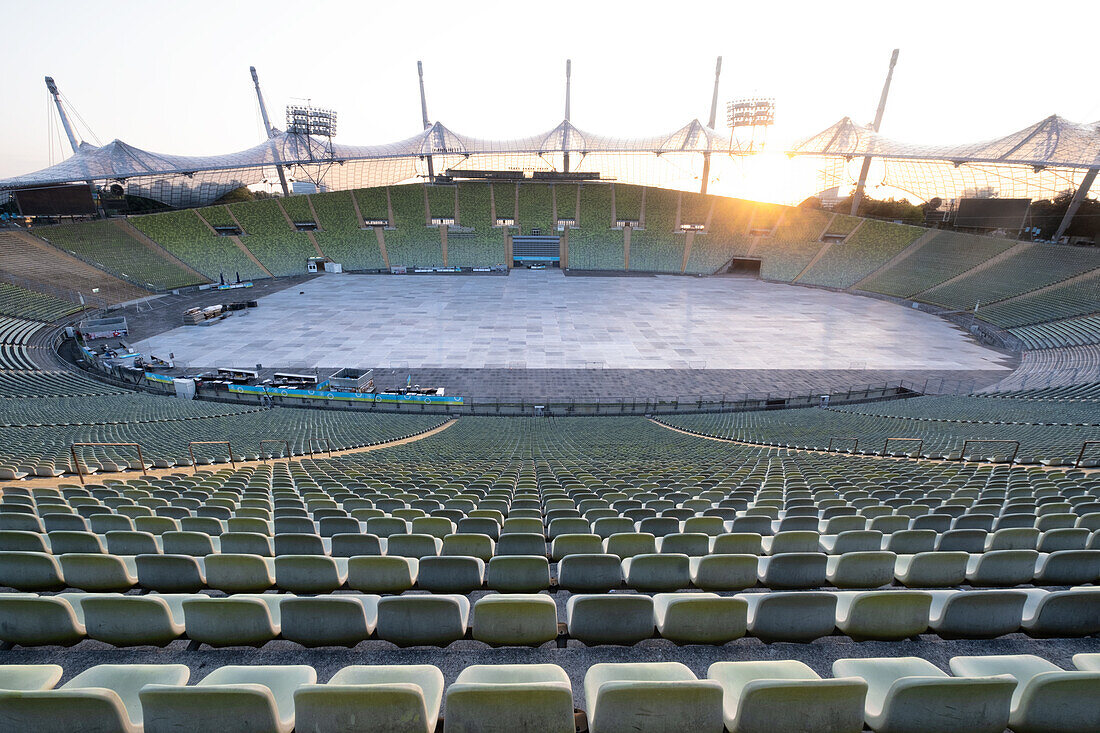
[[710, 123], [269, 130], [565, 128], [51, 86], [858, 196], [424, 115]]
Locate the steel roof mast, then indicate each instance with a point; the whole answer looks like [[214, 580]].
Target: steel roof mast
[[712, 119], [51, 86], [269, 130], [424, 116], [858, 196]]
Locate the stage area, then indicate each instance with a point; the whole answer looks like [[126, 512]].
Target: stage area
[[544, 320]]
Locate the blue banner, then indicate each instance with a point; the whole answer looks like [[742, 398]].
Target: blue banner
[[315, 394], [159, 378]]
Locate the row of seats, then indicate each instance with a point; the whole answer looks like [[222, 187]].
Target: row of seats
[[482, 536], [510, 619], [984, 694], [405, 569]]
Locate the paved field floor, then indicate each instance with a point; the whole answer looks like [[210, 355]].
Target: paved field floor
[[538, 320]]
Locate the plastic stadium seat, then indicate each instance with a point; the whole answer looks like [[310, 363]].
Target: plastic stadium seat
[[237, 620], [788, 541], [382, 574], [1001, 568], [692, 544], [518, 574], [171, 573], [872, 569], [1054, 540], [590, 572], [393, 696], [63, 542], [339, 620], [886, 615], [649, 697], [1073, 612], [617, 618], [240, 573], [657, 572], [154, 620], [910, 541], [931, 569], [12, 540], [30, 571], [699, 618], [911, 694], [104, 697], [310, 573], [351, 545], [195, 544], [247, 543], [29, 676], [961, 540], [723, 572], [1068, 567], [1087, 662], [258, 699], [737, 543], [97, 573], [31, 620], [863, 540], [976, 614], [793, 570], [790, 616], [768, 696], [471, 545], [454, 574], [422, 620], [1047, 698], [413, 545], [501, 698], [521, 543], [515, 619], [1015, 538], [575, 544], [132, 543]]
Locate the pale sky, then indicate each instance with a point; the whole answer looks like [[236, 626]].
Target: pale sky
[[173, 78]]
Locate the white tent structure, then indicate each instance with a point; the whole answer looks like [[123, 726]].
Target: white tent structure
[[1040, 161], [674, 160]]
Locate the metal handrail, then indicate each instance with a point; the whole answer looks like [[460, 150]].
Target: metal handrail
[[276, 440], [1012, 458], [920, 444], [854, 447], [226, 443], [327, 447], [1081, 455], [76, 461]]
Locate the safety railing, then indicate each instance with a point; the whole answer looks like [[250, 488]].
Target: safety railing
[[81, 470], [1081, 455], [965, 456], [286, 444], [855, 443], [327, 448], [193, 443], [886, 445]]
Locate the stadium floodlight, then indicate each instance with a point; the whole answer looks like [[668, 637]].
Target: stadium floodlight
[[309, 120], [750, 112]]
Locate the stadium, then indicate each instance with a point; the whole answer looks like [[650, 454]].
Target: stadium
[[552, 432]]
